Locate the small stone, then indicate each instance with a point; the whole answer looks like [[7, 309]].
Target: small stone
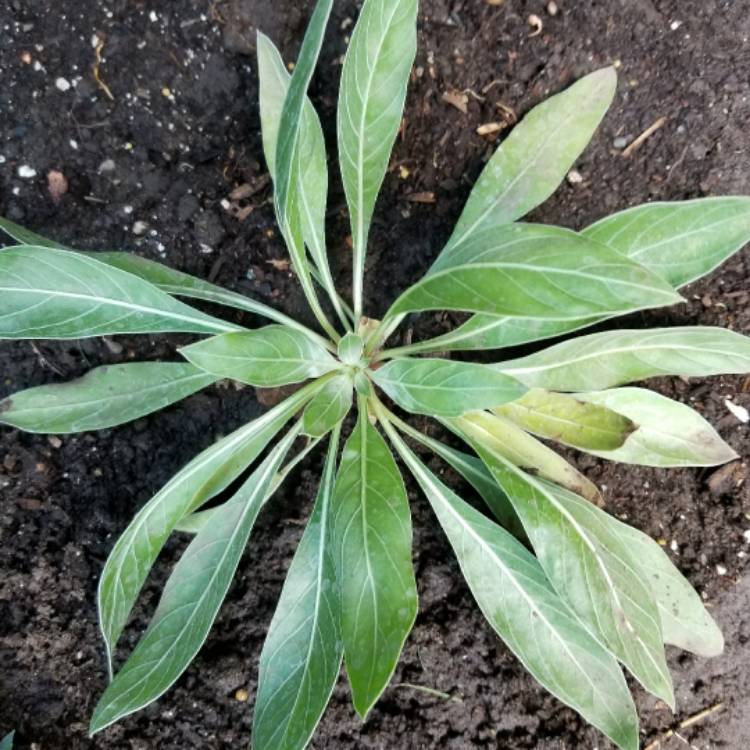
[[746, 535], [63, 84], [108, 165], [242, 695], [153, 17], [675, 25], [721, 570], [140, 227], [575, 177], [620, 142], [54, 441], [552, 8], [26, 172]]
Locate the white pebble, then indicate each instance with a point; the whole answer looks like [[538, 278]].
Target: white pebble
[[206, 249], [675, 25], [140, 227], [26, 172], [2, 159], [74, 144], [746, 534], [575, 177], [674, 546], [153, 17], [63, 84], [721, 570], [127, 209], [739, 411]]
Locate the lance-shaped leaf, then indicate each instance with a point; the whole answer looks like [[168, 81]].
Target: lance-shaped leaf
[[205, 476], [7, 742], [372, 540], [604, 360], [524, 610], [313, 168], [535, 271], [267, 357], [534, 159], [521, 449], [104, 397], [589, 566], [371, 103], [680, 241], [568, 420], [191, 599], [498, 332], [51, 293], [441, 387], [329, 406], [685, 622], [184, 285], [669, 433], [302, 654]]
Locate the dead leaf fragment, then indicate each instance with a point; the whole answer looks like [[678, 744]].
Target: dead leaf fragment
[[57, 184], [491, 128], [457, 99], [279, 265]]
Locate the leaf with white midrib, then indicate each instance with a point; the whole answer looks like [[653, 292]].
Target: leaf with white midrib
[[105, 397], [371, 100], [266, 357], [438, 386], [544, 272], [191, 599], [51, 293], [588, 568], [611, 358], [517, 600], [302, 654], [372, 540], [137, 548]]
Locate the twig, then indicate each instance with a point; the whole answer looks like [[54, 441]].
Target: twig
[[647, 133], [684, 724], [429, 691], [95, 70]]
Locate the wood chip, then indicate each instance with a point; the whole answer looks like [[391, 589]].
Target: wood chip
[[491, 128], [279, 265], [426, 197], [457, 99]]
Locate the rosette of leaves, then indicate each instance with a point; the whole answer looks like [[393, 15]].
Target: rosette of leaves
[[575, 594]]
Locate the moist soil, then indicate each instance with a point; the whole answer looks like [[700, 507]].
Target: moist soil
[[150, 158]]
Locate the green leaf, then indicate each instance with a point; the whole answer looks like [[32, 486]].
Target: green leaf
[[669, 433], [371, 103], [569, 420], [266, 357], [611, 358], [7, 742], [534, 159], [313, 168], [523, 609], [104, 397], [685, 622], [287, 161], [679, 241], [589, 567], [329, 406], [205, 476], [351, 349], [191, 599], [301, 658], [50, 293], [441, 387], [183, 285], [535, 271], [498, 332], [372, 540], [25, 236], [521, 449]]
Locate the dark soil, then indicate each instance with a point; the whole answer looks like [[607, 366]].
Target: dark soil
[[180, 134]]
